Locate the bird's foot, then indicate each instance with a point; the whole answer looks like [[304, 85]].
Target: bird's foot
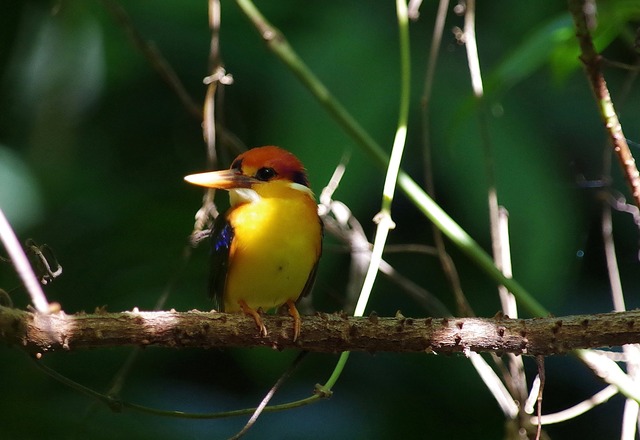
[[293, 311], [256, 317]]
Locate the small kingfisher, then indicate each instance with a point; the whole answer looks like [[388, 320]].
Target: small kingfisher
[[266, 247]]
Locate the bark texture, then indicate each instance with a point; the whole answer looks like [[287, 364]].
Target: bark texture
[[39, 333]]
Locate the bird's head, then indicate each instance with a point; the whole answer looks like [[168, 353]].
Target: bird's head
[[255, 173]]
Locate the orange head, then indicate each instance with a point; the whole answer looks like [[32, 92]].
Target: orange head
[[258, 165]]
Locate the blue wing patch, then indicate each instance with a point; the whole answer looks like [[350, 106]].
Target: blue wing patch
[[221, 238]]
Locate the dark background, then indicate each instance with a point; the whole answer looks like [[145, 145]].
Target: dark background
[[94, 145]]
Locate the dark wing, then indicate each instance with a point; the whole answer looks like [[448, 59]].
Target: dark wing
[[308, 286], [221, 237]]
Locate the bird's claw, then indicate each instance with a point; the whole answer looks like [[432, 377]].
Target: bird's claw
[[293, 311], [256, 317]]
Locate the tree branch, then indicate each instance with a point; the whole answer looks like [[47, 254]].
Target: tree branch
[[583, 16], [38, 333]]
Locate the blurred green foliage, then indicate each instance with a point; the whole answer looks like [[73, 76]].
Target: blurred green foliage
[[93, 147]]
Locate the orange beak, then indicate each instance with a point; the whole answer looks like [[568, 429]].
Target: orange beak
[[225, 179]]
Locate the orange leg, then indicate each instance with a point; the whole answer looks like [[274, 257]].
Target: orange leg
[[296, 319], [255, 315]]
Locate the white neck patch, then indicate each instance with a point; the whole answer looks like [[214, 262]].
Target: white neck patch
[[304, 189], [242, 195], [248, 195]]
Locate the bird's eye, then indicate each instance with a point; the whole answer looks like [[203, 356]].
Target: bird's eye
[[265, 174]]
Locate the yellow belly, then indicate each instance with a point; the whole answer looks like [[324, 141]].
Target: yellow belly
[[276, 244]]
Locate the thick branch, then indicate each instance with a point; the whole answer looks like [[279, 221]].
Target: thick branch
[[321, 333]]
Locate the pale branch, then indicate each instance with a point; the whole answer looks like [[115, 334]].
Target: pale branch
[[39, 333]]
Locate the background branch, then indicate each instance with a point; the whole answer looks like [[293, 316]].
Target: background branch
[[583, 14]]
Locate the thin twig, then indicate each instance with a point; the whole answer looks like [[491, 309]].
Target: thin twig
[[516, 379], [339, 221], [22, 266], [630, 420], [383, 218], [619, 65], [542, 376], [619, 202], [117, 405], [610, 372], [153, 55], [448, 266], [631, 352], [413, 10], [265, 401], [118, 380], [498, 216], [598, 398], [530, 403], [428, 301], [216, 77], [506, 402], [582, 15], [478, 93]]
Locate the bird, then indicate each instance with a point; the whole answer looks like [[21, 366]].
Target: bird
[[266, 247]]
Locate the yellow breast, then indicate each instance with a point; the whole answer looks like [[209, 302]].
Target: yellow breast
[[277, 242]]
